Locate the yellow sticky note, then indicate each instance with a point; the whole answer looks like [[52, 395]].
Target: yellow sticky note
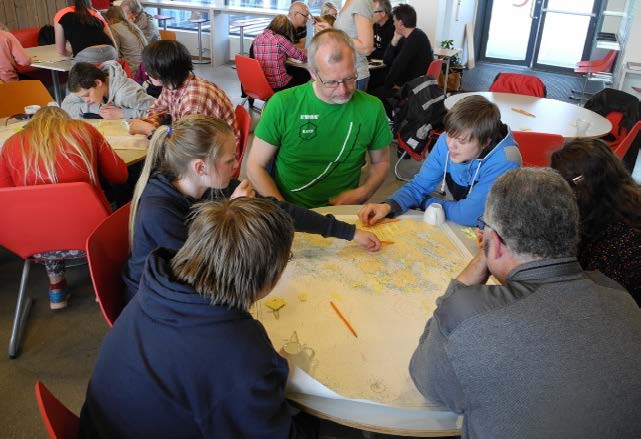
[[302, 297], [275, 303]]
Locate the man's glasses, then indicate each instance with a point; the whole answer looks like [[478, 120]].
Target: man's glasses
[[332, 83], [481, 223], [304, 15]]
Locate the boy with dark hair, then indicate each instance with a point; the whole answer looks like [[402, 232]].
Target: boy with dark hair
[[475, 150], [104, 91], [186, 359], [168, 63]]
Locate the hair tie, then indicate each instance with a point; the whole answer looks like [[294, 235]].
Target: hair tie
[[169, 131]]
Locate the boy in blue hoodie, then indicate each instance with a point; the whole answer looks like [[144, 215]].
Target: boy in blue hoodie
[[475, 150], [186, 359]]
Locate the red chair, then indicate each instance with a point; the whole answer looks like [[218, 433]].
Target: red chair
[[107, 253], [252, 78], [519, 84], [45, 218], [599, 69], [435, 68], [622, 148], [536, 148], [125, 66], [101, 5], [61, 423], [408, 150], [243, 119]]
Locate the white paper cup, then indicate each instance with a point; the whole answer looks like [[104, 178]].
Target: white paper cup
[[30, 110], [434, 214], [582, 127]]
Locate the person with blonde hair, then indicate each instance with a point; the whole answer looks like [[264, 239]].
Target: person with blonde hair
[[12, 54], [190, 161], [53, 148], [328, 8], [273, 47], [129, 38], [135, 13], [197, 364]]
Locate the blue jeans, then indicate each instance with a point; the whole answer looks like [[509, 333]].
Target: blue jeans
[[361, 84]]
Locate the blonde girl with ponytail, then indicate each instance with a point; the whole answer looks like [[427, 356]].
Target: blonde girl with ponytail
[[53, 148], [192, 161]]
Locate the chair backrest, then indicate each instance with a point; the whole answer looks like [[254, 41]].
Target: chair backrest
[[27, 37], [537, 148], [434, 70], [167, 35], [625, 144], [22, 93], [243, 119], [252, 78], [60, 422], [519, 84], [100, 4], [125, 66], [49, 217], [107, 253], [608, 61]]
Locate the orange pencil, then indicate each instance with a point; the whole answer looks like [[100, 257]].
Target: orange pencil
[[343, 319], [387, 242]]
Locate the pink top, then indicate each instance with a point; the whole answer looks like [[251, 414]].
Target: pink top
[[11, 54]]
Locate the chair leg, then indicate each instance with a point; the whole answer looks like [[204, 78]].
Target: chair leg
[[22, 312], [396, 172]]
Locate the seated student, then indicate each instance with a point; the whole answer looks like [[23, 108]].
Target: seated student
[[475, 149], [273, 47], [407, 56], [168, 63], [86, 31], [12, 54], [135, 12], [328, 8], [129, 39], [53, 148], [610, 211], [552, 351], [105, 91], [186, 359], [191, 161]]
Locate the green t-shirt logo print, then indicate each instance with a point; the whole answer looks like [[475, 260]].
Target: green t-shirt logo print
[[307, 131]]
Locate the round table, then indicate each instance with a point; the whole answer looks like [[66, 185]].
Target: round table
[[545, 115]]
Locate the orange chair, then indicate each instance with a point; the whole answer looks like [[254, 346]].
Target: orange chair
[[244, 120], [252, 78], [167, 34], [45, 218], [599, 69], [622, 148], [434, 70], [519, 84], [22, 93], [60, 422], [536, 148], [107, 253], [125, 66]]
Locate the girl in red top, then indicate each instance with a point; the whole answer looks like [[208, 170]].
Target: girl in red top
[[53, 148]]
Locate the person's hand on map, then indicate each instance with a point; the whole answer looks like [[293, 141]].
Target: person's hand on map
[[244, 189], [367, 240], [372, 213], [476, 272], [138, 126], [110, 111]]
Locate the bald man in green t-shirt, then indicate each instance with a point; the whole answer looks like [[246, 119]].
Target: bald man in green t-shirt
[[318, 134]]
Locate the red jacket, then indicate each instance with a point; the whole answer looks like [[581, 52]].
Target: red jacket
[[106, 164]]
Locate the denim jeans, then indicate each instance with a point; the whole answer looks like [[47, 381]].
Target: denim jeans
[[361, 84]]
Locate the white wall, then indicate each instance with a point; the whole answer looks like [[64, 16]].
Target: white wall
[[427, 17]]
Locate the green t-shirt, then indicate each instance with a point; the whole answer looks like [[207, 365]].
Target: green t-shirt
[[321, 146]]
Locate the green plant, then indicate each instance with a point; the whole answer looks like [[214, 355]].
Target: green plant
[[455, 61]]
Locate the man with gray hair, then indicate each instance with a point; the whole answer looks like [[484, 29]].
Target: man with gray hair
[[317, 135], [553, 351], [135, 13], [299, 15]]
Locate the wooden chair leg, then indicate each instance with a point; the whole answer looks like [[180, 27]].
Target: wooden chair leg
[[22, 312]]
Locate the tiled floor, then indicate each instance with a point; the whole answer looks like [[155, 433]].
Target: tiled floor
[[60, 348]]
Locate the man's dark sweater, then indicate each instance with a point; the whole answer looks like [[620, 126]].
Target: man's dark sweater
[[409, 59], [161, 221]]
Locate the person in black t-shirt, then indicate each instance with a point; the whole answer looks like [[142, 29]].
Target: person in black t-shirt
[[383, 33]]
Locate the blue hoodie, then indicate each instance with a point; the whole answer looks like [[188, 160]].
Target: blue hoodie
[[468, 183], [175, 366]]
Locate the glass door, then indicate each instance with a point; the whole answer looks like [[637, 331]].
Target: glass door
[[540, 34]]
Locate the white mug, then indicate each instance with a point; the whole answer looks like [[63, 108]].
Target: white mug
[[434, 214], [30, 110], [582, 127]]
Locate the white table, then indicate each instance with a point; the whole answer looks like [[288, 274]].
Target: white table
[[219, 19], [446, 54], [47, 57], [425, 421], [551, 116]]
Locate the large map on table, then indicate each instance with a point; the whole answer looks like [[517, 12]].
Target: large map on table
[[387, 297]]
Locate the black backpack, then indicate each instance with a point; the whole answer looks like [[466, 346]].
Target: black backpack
[[418, 115]]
